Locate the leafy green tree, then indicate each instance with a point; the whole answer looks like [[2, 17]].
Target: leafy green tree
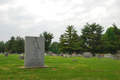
[[109, 39], [91, 37], [112, 38], [7, 48], [2, 46], [19, 44], [68, 39], [48, 39], [54, 47], [12, 45], [109, 34], [15, 45]]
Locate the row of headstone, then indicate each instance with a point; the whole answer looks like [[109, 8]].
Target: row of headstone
[[115, 57], [50, 53], [65, 55], [62, 54], [89, 55]]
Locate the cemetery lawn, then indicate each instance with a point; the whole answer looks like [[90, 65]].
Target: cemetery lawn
[[61, 68]]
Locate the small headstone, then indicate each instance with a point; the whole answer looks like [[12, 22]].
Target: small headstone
[[67, 55], [116, 57], [96, 55], [6, 54], [45, 54], [21, 56], [54, 55], [49, 53], [79, 55], [108, 56], [74, 54], [100, 56], [58, 54], [87, 55]]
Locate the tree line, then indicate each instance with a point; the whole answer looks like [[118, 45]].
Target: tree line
[[91, 39], [14, 45]]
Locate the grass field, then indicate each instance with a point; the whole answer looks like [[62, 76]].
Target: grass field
[[61, 68]]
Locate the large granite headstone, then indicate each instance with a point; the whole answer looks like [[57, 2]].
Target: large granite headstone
[[87, 55], [34, 51]]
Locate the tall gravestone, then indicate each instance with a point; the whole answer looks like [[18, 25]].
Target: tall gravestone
[[34, 51]]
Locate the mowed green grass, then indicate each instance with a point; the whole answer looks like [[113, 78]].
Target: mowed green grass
[[61, 68]]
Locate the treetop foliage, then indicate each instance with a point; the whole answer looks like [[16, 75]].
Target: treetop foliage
[[91, 39]]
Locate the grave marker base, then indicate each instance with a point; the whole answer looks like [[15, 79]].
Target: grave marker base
[[34, 67]]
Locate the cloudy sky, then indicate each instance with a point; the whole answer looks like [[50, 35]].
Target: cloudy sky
[[32, 17]]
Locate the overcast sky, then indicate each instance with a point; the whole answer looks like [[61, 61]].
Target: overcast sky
[[32, 17]]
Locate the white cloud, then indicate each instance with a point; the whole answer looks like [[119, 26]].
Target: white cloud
[[28, 17]]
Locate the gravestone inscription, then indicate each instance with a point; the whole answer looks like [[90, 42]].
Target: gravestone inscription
[[34, 51]]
